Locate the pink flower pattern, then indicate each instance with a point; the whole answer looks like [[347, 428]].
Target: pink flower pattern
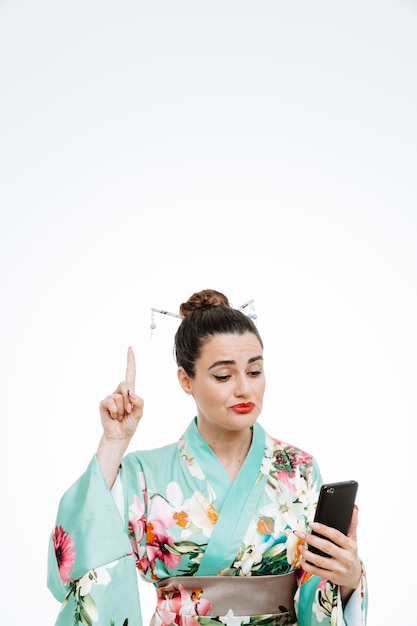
[[182, 606], [64, 552]]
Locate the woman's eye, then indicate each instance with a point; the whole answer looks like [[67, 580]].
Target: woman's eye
[[221, 378], [255, 373]]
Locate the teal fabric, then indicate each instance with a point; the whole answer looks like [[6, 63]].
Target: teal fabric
[[183, 516], [239, 500]]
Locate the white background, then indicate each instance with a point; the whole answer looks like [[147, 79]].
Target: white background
[[152, 149]]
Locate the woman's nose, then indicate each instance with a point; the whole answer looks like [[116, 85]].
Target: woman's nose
[[242, 387]]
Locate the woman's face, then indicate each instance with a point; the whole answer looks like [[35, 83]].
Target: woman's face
[[229, 382]]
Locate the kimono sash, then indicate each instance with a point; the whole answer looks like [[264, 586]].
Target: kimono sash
[[243, 595]]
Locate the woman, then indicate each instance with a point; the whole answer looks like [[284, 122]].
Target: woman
[[219, 520]]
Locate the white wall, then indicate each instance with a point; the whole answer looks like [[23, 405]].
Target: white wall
[[151, 149]]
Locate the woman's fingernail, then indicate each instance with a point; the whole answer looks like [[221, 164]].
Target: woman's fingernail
[[299, 534]]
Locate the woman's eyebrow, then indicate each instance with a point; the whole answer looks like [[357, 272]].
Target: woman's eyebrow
[[224, 362], [232, 362], [256, 358]]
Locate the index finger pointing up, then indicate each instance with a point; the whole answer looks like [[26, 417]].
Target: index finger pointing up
[[131, 369]]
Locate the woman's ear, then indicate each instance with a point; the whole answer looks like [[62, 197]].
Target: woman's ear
[[184, 380]]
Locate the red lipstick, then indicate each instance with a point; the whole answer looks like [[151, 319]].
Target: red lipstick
[[245, 407]]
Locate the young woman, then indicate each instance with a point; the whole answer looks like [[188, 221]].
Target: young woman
[[219, 521]]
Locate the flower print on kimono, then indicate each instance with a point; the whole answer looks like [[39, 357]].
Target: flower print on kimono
[[292, 496], [253, 547], [164, 513], [64, 552], [325, 602], [182, 607], [98, 576], [193, 515], [230, 620], [293, 544], [137, 526], [282, 514], [171, 521], [190, 461], [85, 611], [194, 468], [202, 514], [284, 461]]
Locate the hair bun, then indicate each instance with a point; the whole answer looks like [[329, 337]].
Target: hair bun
[[203, 299]]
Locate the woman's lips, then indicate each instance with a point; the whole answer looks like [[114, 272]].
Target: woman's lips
[[245, 407]]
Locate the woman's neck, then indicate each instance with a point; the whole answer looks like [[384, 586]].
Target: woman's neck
[[230, 446]]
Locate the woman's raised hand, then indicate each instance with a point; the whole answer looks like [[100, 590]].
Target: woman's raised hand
[[122, 410]]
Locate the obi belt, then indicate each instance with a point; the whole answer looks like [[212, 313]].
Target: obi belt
[[187, 600]]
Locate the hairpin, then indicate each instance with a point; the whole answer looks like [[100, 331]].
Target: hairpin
[[251, 313], [245, 304], [155, 310], [167, 313], [249, 303]]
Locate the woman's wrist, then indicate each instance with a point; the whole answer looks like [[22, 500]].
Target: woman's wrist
[[346, 591], [109, 454]]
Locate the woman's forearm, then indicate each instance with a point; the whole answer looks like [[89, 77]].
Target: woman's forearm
[[109, 456]]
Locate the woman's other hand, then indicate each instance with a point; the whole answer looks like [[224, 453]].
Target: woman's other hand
[[343, 566]]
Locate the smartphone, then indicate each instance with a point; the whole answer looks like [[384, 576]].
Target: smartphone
[[335, 507]]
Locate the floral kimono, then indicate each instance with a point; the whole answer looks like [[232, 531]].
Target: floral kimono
[[217, 552]]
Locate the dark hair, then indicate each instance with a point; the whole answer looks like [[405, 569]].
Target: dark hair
[[207, 313]]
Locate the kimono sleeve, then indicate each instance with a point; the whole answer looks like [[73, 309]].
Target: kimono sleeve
[[320, 604], [91, 567], [318, 600]]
